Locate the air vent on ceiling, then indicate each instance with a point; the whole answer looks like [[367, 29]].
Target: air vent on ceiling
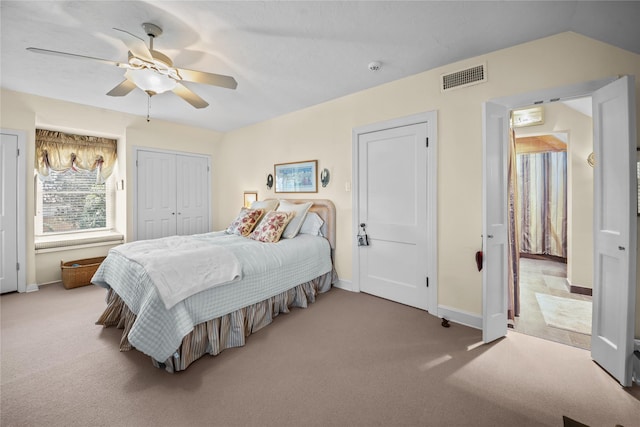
[[463, 78]]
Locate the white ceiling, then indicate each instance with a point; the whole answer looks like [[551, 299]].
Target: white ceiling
[[285, 55]]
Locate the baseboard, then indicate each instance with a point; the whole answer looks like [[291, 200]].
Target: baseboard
[[580, 290], [577, 289], [460, 316], [347, 285], [32, 287]]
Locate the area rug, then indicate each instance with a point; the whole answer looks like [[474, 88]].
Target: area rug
[[564, 313]]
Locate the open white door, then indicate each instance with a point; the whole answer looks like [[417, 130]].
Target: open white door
[[614, 287], [494, 227], [615, 227]]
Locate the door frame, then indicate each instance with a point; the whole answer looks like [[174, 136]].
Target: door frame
[[431, 119], [583, 89], [134, 180], [21, 193]]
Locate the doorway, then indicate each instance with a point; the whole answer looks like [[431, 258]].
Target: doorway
[[13, 150], [546, 304], [614, 216], [172, 193], [394, 215]]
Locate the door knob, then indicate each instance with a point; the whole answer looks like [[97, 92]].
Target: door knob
[[363, 239]]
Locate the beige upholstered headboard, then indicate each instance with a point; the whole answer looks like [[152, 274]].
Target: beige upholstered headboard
[[327, 211]]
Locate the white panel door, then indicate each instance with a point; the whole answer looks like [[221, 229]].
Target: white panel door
[[392, 200], [8, 213], [615, 225], [494, 227], [156, 195], [192, 196]]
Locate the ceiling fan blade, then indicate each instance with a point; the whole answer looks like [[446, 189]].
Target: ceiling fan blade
[[76, 56], [123, 88], [208, 78], [136, 45], [185, 93]]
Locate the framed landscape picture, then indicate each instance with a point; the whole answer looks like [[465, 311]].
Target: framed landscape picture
[[297, 177]]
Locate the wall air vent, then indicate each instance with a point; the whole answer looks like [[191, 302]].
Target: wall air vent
[[463, 78]]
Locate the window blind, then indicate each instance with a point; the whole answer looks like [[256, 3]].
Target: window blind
[[73, 201]]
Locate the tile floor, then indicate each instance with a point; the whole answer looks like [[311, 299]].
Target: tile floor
[[544, 276]]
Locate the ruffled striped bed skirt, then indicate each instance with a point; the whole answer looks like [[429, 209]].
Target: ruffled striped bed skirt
[[213, 336]]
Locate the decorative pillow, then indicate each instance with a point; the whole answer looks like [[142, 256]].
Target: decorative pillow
[[245, 221], [271, 227], [267, 205], [312, 224], [300, 210]]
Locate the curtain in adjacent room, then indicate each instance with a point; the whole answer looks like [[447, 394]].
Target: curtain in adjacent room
[[60, 152], [513, 307], [542, 203]]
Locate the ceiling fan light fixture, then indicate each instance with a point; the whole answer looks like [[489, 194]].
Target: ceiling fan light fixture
[[150, 81]]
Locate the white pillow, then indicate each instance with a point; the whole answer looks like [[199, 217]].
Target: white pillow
[[266, 205], [312, 224], [294, 225]]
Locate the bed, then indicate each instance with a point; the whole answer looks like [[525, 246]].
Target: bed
[[273, 277]]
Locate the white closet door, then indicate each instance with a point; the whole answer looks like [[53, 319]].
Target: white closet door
[[156, 195], [192, 197], [8, 214]]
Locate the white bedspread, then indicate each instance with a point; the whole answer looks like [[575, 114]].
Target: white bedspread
[[181, 266], [268, 269]]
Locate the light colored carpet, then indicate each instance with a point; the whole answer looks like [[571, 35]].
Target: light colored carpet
[[349, 359], [564, 313]]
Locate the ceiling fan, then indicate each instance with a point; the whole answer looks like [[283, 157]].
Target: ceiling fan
[[153, 71]]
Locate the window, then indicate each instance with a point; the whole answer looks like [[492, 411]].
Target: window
[[73, 201], [74, 187]]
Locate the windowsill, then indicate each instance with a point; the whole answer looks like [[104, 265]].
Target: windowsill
[[61, 242]]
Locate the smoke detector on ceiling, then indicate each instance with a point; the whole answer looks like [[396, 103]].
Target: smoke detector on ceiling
[[375, 66]]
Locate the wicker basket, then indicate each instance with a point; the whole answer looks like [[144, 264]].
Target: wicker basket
[[79, 272]]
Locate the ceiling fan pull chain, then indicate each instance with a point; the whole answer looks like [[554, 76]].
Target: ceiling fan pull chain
[[148, 107]]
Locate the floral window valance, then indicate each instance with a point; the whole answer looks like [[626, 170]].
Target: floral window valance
[[60, 152]]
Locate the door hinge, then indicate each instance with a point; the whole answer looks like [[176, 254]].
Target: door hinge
[[427, 281], [18, 152], [136, 163], [427, 142], [17, 266]]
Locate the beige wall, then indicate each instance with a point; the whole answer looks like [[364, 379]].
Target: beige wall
[[26, 112], [324, 132], [560, 118]]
